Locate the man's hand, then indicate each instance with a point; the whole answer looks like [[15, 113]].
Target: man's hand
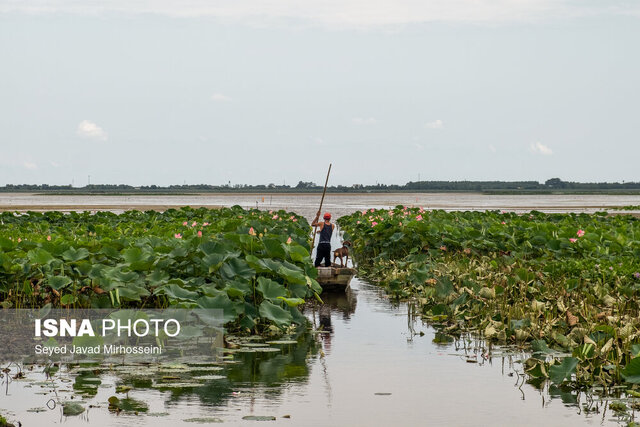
[[318, 215]]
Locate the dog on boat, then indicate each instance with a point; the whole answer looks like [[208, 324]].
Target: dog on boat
[[342, 252]]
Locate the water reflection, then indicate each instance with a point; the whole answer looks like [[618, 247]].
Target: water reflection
[[342, 304]]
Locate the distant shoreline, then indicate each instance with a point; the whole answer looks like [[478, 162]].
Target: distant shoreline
[[292, 192]]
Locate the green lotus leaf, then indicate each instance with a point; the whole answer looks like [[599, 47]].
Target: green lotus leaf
[[631, 372], [560, 373], [276, 314], [39, 256], [73, 254], [236, 267], [176, 292], [220, 302], [292, 302], [58, 282], [271, 290]]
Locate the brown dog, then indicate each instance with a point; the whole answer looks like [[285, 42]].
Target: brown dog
[[342, 252]]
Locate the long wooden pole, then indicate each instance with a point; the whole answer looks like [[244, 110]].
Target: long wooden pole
[[315, 228]]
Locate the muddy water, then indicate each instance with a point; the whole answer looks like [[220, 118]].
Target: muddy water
[[373, 365], [307, 204]]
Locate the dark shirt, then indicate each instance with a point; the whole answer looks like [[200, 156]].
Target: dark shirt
[[325, 233]]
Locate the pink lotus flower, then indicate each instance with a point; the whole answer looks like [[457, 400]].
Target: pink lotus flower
[[275, 216], [185, 223], [292, 217], [252, 231], [580, 233], [289, 241], [193, 224], [573, 240], [199, 233], [373, 210], [364, 212], [295, 219], [49, 238], [503, 223], [373, 224], [205, 224], [419, 218], [178, 236], [358, 222], [443, 248], [19, 240]]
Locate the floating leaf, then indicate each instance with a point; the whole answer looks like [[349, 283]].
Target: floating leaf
[[70, 409], [560, 373]]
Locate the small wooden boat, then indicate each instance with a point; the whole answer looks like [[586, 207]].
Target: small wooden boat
[[335, 278]]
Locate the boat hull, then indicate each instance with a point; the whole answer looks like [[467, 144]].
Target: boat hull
[[335, 278]]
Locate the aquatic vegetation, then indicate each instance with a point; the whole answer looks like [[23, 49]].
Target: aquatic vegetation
[[253, 265], [565, 286]]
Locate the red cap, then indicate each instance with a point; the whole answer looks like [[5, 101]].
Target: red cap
[[327, 215]]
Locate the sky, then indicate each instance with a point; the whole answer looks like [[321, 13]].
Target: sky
[[163, 92]]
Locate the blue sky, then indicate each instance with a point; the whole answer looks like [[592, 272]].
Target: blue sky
[[159, 92]]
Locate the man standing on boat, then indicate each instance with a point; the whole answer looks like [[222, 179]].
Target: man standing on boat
[[324, 245]]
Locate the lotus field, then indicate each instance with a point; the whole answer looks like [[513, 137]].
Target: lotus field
[[253, 265], [563, 286]]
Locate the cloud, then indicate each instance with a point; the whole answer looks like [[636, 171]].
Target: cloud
[[90, 130], [340, 13], [221, 98], [363, 121], [492, 148], [30, 165], [419, 147], [54, 164], [436, 124], [317, 140], [539, 148]]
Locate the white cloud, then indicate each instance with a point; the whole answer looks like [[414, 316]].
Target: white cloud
[[436, 124], [492, 148], [90, 130], [317, 140], [363, 121], [539, 148], [54, 164], [30, 165], [221, 98], [340, 13], [419, 147]]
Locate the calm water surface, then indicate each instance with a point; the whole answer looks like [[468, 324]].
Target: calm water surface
[[372, 366], [339, 204]]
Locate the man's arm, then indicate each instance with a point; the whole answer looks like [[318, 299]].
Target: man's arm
[[315, 223]]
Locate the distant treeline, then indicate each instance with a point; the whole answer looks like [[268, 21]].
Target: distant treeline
[[554, 185]]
